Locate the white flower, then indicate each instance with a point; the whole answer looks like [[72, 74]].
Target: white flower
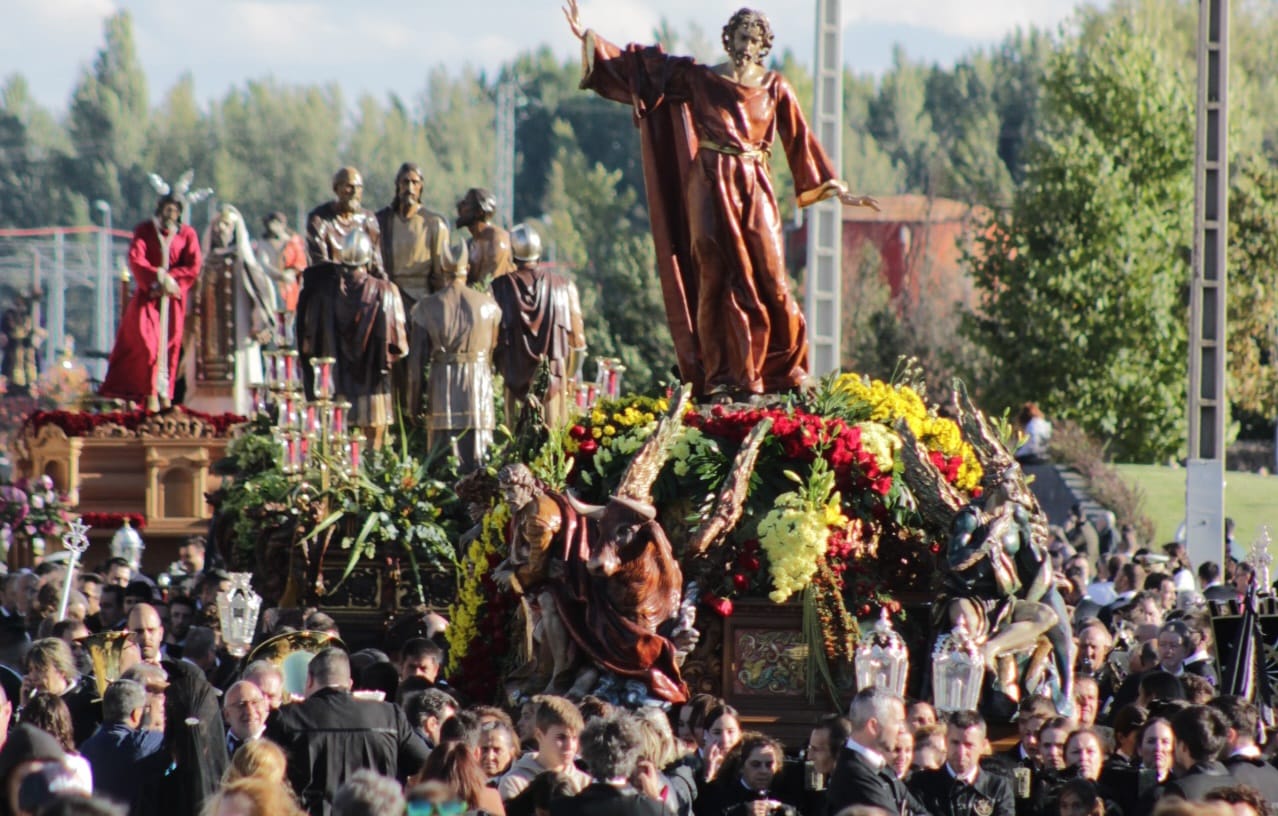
[[37, 502]]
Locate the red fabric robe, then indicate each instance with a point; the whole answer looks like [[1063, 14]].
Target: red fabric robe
[[714, 213], [132, 369]]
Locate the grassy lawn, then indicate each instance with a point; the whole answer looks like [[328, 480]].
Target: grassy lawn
[[1250, 500]]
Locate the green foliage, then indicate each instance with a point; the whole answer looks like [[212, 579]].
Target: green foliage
[[592, 225], [1083, 279], [1253, 288]]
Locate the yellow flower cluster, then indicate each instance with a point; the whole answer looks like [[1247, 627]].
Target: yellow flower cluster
[[889, 403], [464, 613], [880, 442], [943, 435], [612, 418], [794, 535]]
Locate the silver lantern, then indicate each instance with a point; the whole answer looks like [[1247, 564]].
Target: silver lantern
[[127, 544], [881, 659], [958, 670], [237, 609]]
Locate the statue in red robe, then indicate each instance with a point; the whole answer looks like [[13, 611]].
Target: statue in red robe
[[707, 135], [164, 258]]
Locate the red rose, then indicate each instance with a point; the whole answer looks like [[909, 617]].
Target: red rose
[[589, 447], [749, 562], [741, 582], [883, 485], [577, 432], [720, 606], [751, 546]]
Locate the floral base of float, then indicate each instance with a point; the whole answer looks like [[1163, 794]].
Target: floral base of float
[[848, 510]]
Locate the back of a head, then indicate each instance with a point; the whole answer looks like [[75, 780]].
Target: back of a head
[[266, 798], [609, 746], [1162, 685], [1202, 730], [330, 667], [261, 759], [1240, 713], [122, 698], [368, 793], [200, 643], [871, 704], [74, 805]]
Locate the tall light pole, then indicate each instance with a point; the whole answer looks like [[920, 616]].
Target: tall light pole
[[1208, 402], [824, 276], [103, 324]]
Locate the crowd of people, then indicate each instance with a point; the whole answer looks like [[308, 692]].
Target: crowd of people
[[185, 728]]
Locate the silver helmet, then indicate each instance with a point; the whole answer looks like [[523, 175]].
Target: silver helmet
[[525, 243], [357, 249]]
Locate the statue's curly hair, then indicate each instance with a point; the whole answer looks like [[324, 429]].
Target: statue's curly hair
[[751, 18]]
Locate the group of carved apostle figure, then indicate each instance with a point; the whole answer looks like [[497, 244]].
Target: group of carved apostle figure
[[412, 322]]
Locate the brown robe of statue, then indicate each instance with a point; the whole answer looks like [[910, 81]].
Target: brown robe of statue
[[540, 319], [706, 140], [411, 250]]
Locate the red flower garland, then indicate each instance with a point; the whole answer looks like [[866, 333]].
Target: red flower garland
[[80, 423], [113, 520]]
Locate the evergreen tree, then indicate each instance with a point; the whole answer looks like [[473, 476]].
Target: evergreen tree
[[1083, 280]]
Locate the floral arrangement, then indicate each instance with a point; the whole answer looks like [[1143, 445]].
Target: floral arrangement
[[481, 616], [31, 514], [112, 521]]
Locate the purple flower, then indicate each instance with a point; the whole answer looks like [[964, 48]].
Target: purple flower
[[46, 482]]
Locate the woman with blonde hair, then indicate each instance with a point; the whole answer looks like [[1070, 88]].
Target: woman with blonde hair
[[252, 796], [257, 759]]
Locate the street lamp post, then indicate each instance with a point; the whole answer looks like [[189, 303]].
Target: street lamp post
[[103, 324]]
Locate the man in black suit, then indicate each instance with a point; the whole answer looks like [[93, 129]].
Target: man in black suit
[[1242, 758], [330, 735], [1019, 764], [1201, 734], [862, 775], [609, 748], [960, 787]]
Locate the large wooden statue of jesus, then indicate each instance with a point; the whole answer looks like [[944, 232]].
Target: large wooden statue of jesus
[[707, 134]]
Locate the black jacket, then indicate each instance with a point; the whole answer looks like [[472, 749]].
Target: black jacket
[[1199, 781], [330, 735], [943, 795], [1255, 773], [854, 782], [729, 797], [601, 799]]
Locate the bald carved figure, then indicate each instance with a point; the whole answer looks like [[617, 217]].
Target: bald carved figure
[[328, 224], [146, 630]]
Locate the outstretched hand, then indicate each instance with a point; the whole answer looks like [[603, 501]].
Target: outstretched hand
[[854, 200], [572, 13]]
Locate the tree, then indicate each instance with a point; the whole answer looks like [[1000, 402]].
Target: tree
[[595, 233], [108, 125], [1252, 289], [1083, 281]]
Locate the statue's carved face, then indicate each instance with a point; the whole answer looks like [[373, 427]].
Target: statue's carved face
[[468, 211], [223, 233], [408, 187], [747, 45], [349, 189], [170, 214]]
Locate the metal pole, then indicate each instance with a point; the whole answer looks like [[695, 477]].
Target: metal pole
[[504, 186], [823, 304], [102, 318], [1208, 406], [57, 315]]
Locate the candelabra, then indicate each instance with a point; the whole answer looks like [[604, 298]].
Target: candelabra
[[312, 434], [607, 383]]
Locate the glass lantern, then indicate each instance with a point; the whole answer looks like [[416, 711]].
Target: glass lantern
[[127, 544], [958, 670], [882, 659], [237, 609]]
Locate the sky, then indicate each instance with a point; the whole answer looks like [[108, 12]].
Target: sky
[[388, 46]]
